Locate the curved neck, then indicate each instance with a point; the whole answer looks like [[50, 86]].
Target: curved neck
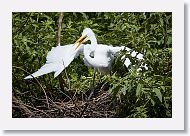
[[92, 48], [89, 59], [93, 40]]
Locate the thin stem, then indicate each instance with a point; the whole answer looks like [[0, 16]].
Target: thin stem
[[93, 85], [67, 76], [36, 81], [61, 80], [59, 28], [59, 43]]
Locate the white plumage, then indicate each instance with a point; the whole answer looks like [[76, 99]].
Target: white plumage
[[57, 60], [95, 55]]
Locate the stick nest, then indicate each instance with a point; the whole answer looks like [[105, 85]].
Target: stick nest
[[100, 105]]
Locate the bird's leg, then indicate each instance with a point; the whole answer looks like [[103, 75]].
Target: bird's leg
[[93, 85], [94, 76]]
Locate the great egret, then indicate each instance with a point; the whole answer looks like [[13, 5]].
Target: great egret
[[98, 56]]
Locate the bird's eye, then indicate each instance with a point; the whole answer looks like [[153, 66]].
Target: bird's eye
[[92, 55]]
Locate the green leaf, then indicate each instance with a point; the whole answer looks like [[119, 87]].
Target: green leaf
[[84, 15], [169, 40], [163, 88], [139, 89], [167, 105], [158, 94], [153, 102], [123, 90]]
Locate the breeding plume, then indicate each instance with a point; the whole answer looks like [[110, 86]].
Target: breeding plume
[[98, 56]]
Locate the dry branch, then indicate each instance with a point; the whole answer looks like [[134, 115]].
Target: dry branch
[[37, 82]]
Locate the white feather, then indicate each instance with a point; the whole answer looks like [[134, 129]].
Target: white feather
[[57, 60]]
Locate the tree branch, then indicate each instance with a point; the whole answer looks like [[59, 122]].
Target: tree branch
[[59, 28], [61, 80]]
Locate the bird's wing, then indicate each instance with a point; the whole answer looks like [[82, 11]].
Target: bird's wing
[[57, 60], [115, 50], [127, 62]]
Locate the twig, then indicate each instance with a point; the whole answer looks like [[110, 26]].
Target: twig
[[86, 105], [23, 105], [67, 96], [59, 28], [91, 93], [36, 81], [57, 106], [61, 81], [67, 76], [59, 43]]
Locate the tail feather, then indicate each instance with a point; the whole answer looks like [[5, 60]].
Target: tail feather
[[47, 68], [58, 72]]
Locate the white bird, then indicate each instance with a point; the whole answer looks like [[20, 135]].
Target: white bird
[[98, 56]]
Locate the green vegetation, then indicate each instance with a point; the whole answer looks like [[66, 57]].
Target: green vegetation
[[132, 94]]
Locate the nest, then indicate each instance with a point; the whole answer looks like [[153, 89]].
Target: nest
[[100, 105]]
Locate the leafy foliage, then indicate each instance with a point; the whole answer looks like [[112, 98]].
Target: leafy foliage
[[145, 94]]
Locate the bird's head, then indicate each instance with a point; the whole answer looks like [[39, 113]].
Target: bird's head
[[87, 34]]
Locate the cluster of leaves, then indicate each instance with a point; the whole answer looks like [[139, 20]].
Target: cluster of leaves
[[145, 94]]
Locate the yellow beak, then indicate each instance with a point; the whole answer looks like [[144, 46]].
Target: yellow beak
[[80, 41]]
